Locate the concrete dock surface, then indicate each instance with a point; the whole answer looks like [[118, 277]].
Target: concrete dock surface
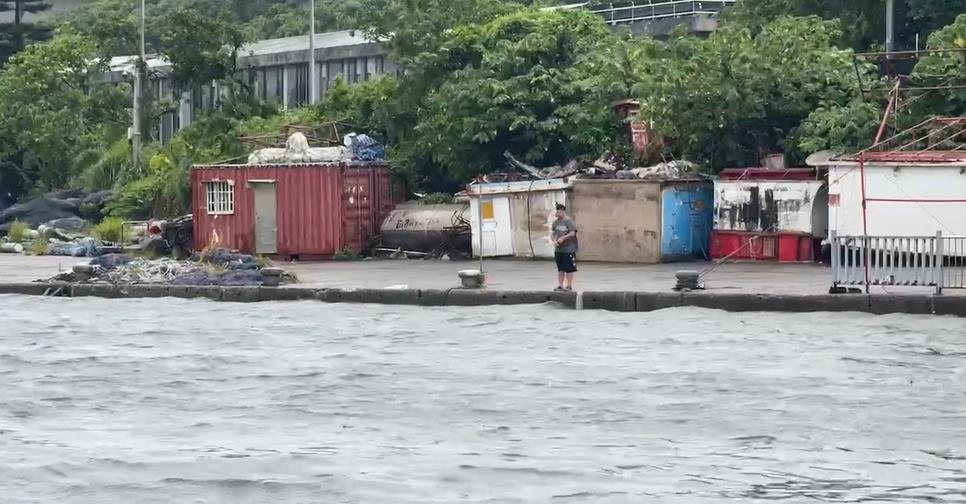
[[506, 275], [524, 275], [732, 287], [512, 275]]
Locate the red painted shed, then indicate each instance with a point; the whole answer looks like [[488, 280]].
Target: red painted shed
[[772, 215], [305, 211]]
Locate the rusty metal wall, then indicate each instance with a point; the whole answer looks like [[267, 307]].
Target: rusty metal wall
[[368, 199], [618, 220], [321, 208]]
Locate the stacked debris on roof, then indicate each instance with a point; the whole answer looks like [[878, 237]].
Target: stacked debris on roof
[[555, 171], [671, 170], [607, 166], [365, 148], [356, 147], [297, 150]]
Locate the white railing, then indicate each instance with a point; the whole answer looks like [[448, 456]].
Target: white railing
[[953, 262], [921, 261], [635, 11]]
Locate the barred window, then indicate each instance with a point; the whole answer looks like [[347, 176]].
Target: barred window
[[220, 197]]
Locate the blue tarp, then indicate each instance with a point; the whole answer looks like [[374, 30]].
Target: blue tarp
[[366, 148]]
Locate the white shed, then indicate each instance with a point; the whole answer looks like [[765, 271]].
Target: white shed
[[910, 184], [516, 216], [903, 198]]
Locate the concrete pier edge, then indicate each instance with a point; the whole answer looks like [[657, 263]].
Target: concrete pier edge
[[610, 301]]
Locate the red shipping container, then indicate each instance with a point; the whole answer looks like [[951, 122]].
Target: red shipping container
[[306, 211]]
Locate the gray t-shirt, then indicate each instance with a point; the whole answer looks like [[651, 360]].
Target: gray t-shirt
[[562, 227]]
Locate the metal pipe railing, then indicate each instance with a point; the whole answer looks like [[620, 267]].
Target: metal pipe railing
[[924, 261], [644, 10]]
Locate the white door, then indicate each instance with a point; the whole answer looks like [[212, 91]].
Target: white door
[[497, 233], [266, 224]]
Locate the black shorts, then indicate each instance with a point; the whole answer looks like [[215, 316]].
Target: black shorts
[[566, 262]]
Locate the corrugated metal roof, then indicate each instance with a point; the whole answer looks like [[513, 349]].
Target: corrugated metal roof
[[329, 40], [520, 186], [301, 43], [122, 63]]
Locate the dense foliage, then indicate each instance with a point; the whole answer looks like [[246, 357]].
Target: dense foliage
[[946, 67], [482, 77], [538, 85], [17, 33], [727, 100], [864, 19], [49, 119]]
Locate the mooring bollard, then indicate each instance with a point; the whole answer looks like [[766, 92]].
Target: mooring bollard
[[472, 279], [271, 277], [687, 280], [83, 272]]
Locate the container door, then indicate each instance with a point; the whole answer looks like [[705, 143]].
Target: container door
[[266, 215], [497, 233], [687, 219]]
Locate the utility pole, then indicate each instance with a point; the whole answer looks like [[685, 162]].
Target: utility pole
[[890, 26], [139, 64], [313, 70]]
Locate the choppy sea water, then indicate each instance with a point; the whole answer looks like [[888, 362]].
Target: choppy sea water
[[192, 401]]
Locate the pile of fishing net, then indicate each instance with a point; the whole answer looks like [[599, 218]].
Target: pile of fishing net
[[215, 268]]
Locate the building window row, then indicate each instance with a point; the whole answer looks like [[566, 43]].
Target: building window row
[[286, 86]]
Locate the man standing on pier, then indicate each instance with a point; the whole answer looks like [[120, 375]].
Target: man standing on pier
[[564, 235]]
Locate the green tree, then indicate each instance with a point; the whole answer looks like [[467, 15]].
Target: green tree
[[281, 20], [49, 118], [366, 107], [419, 35], [947, 67], [290, 18], [419, 27], [865, 19], [200, 49], [729, 99], [536, 84], [16, 34], [841, 128], [112, 25]]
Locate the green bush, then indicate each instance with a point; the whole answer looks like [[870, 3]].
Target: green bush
[[39, 247], [17, 232], [133, 200], [438, 199], [111, 230], [346, 254]]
